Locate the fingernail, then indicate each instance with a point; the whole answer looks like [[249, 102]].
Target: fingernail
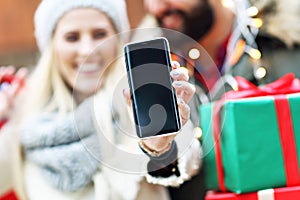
[[176, 63], [175, 73], [181, 101], [178, 84]]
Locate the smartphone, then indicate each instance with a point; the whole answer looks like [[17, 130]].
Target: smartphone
[[154, 103]]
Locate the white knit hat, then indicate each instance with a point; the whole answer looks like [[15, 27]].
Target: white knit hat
[[50, 11]]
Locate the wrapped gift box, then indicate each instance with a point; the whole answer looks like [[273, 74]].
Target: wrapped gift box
[[287, 193], [253, 143]]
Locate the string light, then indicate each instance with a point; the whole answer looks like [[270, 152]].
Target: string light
[[228, 3], [197, 132], [252, 11], [260, 72], [257, 22], [235, 87], [194, 54], [253, 53], [231, 81]]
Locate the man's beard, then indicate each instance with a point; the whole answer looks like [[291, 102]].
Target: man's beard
[[197, 23]]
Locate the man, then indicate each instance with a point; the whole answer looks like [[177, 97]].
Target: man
[[195, 18], [210, 24], [219, 30], [224, 33]]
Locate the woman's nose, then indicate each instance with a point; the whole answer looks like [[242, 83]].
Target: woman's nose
[[87, 45]]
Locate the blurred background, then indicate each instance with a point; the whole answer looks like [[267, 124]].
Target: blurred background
[[17, 42]]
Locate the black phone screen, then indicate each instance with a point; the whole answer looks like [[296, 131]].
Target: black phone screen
[[154, 102]]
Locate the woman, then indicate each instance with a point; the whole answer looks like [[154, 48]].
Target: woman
[[68, 123]]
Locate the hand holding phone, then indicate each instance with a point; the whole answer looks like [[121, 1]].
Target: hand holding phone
[[153, 98], [148, 65]]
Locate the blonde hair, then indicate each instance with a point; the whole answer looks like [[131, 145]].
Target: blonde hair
[[46, 89]]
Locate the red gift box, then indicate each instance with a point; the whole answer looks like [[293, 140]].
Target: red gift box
[[285, 193]]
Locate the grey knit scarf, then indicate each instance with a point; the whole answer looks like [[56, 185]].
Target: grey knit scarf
[[59, 148]]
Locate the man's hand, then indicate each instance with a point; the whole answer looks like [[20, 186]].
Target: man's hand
[[184, 92]]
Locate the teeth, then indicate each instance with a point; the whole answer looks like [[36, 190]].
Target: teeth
[[89, 67]]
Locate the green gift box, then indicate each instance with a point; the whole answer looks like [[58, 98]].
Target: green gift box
[[259, 143]]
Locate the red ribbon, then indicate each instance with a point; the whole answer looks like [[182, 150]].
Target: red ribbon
[[287, 139], [285, 85], [288, 84]]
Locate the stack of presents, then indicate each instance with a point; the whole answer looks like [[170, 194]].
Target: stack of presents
[[251, 141]]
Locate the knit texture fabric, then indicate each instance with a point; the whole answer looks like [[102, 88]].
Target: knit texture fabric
[[58, 147], [49, 12]]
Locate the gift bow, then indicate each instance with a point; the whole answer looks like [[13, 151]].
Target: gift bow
[[288, 84]]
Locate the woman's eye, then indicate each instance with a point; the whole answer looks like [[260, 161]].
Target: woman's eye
[[72, 37], [99, 34]]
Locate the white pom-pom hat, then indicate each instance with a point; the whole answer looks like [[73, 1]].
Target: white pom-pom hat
[[49, 12]]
